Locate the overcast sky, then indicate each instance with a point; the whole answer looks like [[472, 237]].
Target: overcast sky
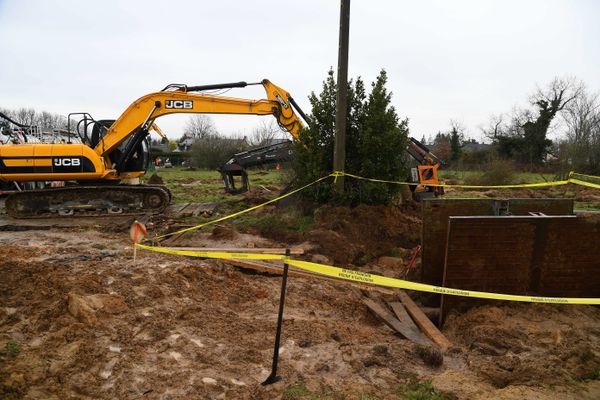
[[461, 60]]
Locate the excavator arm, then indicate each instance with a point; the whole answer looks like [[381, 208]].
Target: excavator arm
[[133, 125]]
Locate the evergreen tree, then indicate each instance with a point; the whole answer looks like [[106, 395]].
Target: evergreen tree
[[375, 142], [455, 144]]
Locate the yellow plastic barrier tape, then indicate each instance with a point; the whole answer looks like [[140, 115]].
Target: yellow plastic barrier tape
[[584, 183], [336, 174], [584, 175], [365, 277], [214, 254], [214, 221], [516, 186], [379, 280]]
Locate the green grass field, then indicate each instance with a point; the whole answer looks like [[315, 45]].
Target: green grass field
[[521, 177], [203, 186]]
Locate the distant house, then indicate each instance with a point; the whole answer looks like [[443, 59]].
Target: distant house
[[474, 146], [276, 141], [185, 143], [240, 143], [159, 147]]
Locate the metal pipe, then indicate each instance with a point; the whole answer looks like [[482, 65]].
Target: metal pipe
[[272, 378]]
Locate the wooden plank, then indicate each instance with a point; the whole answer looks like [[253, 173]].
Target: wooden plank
[[403, 329], [172, 238], [205, 209], [180, 209], [278, 250], [278, 269], [405, 319], [188, 211], [423, 322], [176, 208]]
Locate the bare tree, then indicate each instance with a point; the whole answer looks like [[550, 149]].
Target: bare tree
[[581, 147], [214, 150], [557, 95], [582, 116], [524, 135], [264, 134], [47, 120], [25, 116], [496, 126], [199, 126]]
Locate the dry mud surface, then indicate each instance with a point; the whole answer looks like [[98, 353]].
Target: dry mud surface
[[89, 323]]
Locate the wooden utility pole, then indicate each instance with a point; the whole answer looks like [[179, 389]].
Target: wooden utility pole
[[339, 151]]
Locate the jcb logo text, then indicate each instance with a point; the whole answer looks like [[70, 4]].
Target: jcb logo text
[[67, 162], [180, 104]]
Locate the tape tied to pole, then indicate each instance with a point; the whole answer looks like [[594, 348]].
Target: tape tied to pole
[[337, 174], [372, 279]]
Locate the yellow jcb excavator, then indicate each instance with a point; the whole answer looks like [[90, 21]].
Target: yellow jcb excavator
[[113, 152]]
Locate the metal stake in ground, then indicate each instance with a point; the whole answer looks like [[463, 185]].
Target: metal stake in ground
[[272, 378]]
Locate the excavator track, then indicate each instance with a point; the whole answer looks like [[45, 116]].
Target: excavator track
[[88, 201]]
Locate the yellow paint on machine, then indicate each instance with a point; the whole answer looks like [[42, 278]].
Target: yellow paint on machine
[[18, 163], [41, 155], [44, 162]]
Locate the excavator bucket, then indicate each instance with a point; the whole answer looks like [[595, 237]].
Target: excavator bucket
[[229, 172]]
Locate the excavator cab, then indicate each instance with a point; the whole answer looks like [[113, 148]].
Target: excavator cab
[[426, 173], [91, 132]]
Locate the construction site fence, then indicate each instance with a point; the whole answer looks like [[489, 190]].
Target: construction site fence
[[373, 279], [368, 278], [337, 174]]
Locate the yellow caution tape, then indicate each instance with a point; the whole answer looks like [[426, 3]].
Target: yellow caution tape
[[584, 183], [584, 175], [247, 210], [516, 186], [213, 254], [365, 277], [337, 174]]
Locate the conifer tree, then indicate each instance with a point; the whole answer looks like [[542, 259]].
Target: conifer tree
[[375, 143]]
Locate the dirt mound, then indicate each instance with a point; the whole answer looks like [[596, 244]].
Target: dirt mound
[[179, 328], [155, 179], [529, 344], [223, 232], [356, 235], [257, 196], [166, 324]]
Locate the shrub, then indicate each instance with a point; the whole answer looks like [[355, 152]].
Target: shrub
[[12, 348], [424, 390], [375, 141], [498, 172], [214, 150]]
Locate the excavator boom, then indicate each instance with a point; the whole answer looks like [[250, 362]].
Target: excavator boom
[[184, 99]]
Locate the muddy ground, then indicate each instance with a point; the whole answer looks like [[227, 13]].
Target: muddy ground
[[79, 319]]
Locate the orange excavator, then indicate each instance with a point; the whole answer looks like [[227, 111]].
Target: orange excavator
[[112, 153], [426, 172]]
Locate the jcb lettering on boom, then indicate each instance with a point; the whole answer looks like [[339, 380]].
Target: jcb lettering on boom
[[67, 162], [179, 104]]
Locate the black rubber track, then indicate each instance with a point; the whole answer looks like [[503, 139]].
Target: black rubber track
[[89, 201]]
